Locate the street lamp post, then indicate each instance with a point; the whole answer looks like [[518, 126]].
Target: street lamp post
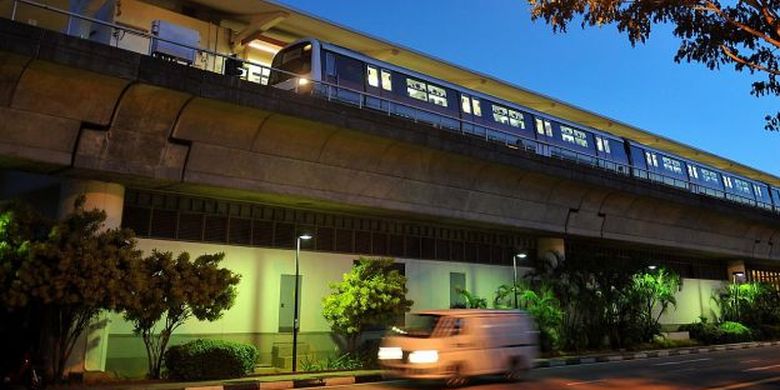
[[295, 305], [514, 274]]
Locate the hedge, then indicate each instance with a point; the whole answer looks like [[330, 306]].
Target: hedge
[[210, 359]]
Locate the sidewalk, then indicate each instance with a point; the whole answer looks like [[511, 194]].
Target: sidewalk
[[290, 381]]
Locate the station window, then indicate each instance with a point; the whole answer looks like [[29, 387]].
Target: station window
[[709, 176], [603, 145], [373, 76], [652, 159], [465, 104], [437, 95], [671, 165], [574, 136], [416, 89], [544, 127], [387, 81], [693, 172]]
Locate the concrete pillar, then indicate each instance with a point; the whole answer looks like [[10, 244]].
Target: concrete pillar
[[89, 354]]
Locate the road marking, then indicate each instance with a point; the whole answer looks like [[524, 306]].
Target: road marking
[[762, 368], [584, 382], [682, 362], [745, 385]]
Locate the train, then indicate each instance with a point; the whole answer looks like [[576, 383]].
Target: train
[[323, 69]]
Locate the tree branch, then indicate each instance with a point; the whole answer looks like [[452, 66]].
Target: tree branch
[[713, 7], [729, 53]]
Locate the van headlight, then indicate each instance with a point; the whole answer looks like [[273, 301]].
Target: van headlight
[[390, 353], [431, 356]]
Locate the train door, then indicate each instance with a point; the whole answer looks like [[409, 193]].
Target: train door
[[471, 113], [379, 86], [346, 76], [544, 133]]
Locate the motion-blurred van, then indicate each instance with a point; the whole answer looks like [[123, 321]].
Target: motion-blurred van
[[456, 344]]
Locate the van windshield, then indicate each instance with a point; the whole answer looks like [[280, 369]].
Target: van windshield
[[421, 325]]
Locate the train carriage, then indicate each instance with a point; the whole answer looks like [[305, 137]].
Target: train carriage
[[337, 73]]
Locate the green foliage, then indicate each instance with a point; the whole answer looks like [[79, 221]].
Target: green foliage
[[371, 294], [742, 33], [62, 274], [346, 361], [756, 305], [654, 291], [210, 359], [714, 333], [541, 303], [471, 300], [176, 289]]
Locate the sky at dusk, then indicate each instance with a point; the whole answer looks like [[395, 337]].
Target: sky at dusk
[[596, 69]]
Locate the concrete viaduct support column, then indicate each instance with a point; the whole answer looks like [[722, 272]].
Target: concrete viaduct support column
[[89, 354]]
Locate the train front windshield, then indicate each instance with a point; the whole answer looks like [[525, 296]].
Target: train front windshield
[[295, 59]]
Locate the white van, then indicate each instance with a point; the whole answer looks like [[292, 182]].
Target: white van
[[459, 343]]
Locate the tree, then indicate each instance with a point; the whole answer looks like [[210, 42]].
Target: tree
[[371, 294], [654, 292], [174, 290], [745, 34], [63, 274]]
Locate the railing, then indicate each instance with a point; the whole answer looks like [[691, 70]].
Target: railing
[[216, 62]]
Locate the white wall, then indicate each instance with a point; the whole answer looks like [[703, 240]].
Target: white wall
[[694, 300]]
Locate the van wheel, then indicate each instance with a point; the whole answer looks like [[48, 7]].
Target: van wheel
[[516, 370], [456, 378]]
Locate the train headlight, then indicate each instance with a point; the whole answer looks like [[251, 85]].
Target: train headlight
[[303, 81], [390, 353], [431, 356]]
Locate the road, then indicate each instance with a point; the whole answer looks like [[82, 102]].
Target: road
[[755, 369]]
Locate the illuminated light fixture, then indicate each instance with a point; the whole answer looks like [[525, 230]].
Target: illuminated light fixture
[[521, 255], [421, 357], [305, 236], [303, 81], [390, 353], [651, 267], [264, 46]]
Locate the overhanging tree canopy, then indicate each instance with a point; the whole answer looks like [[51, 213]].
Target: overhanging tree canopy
[[745, 34]]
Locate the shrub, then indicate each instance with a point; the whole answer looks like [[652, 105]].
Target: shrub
[[345, 361], [210, 359], [711, 333]]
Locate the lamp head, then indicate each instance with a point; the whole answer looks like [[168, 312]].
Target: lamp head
[[305, 236]]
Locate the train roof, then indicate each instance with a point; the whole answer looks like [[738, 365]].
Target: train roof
[[281, 23]]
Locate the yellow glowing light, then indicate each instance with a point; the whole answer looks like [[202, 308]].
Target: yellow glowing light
[[264, 46]]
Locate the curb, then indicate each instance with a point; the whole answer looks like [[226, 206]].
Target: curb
[[589, 359], [540, 363]]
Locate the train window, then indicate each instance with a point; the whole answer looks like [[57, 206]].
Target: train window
[[516, 119], [693, 172], [437, 95], [373, 76], [671, 165], [465, 104], [727, 182], [574, 136], [544, 127], [757, 189], [477, 107], [330, 64], [387, 81], [651, 158], [742, 186], [603, 145], [416, 89], [500, 115], [709, 176]]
